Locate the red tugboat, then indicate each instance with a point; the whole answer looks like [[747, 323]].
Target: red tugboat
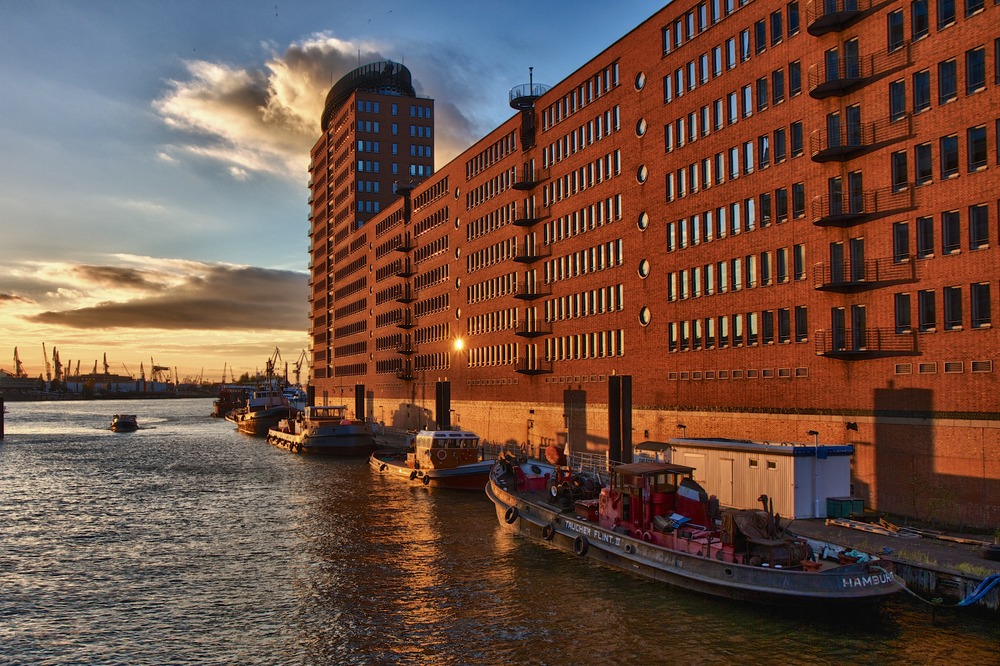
[[654, 520], [439, 459]]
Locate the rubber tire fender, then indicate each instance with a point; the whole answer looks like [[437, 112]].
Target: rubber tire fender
[[548, 531], [581, 545]]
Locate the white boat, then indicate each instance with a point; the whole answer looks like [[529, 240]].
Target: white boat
[[438, 458], [323, 429]]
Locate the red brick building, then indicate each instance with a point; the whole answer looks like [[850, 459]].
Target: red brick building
[[750, 221]]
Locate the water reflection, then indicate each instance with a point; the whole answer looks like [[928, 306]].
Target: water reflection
[[186, 541]]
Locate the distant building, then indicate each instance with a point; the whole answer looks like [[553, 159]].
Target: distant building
[[749, 221]]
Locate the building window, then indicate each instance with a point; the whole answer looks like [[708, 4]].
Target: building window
[[975, 70], [897, 100], [921, 91], [902, 313], [899, 177], [980, 305], [799, 261], [895, 29], [762, 95], [900, 242], [798, 200], [767, 327], [781, 264], [794, 78], [945, 13], [973, 6], [976, 147], [952, 308], [926, 316], [925, 237], [760, 35], [950, 232], [796, 129], [776, 27], [949, 156], [779, 145], [918, 12], [947, 81], [781, 204], [979, 234], [792, 9], [923, 164], [801, 323]]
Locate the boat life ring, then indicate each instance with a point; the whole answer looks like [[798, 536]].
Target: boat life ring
[[413, 475], [511, 516], [548, 531], [426, 479], [442, 454], [580, 545]]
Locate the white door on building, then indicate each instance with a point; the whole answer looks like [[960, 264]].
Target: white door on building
[[726, 481]]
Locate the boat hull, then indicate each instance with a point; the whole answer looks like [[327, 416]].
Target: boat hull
[[534, 519], [260, 422], [349, 441], [464, 477]]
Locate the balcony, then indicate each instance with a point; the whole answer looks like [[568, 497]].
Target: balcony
[[823, 16], [406, 294], [405, 243], [852, 72], [533, 330], [852, 344], [529, 253], [407, 321], [407, 269], [405, 373], [871, 274], [529, 216], [406, 347], [529, 178], [856, 140], [852, 208], [530, 293], [533, 367]]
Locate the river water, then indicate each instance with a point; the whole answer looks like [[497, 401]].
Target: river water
[[187, 542]]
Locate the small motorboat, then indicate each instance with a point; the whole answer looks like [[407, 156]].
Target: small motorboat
[[439, 459], [323, 429], [124, 423]]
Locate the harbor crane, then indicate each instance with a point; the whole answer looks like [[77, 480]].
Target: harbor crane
[[298, 367], [48, 366], [18, 367]]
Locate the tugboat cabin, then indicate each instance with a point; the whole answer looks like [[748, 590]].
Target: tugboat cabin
[[443, 449], [641, 493]]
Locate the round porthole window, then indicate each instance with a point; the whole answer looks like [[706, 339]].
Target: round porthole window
[[458, 192], [643, 220], [644, 268], [640, 80], [642, 174], [458, 283], [458, 253], [645, 316], [640, 127], [458, 313]]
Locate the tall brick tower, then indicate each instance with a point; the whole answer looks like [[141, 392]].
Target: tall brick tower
[[377, 137]]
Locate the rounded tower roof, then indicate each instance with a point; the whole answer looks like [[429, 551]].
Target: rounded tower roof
[[384, 77]]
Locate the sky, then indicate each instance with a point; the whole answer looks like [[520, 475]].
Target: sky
[[154, 157]]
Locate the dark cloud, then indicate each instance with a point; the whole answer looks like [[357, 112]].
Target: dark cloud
[[116, 276], [13, 298], [220, 298]]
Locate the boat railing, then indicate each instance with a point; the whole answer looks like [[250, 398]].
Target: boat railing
[[596, 464]]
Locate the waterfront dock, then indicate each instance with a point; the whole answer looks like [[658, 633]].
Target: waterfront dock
[[931, 568]]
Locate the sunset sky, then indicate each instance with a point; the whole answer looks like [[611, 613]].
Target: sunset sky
[[153, 181]]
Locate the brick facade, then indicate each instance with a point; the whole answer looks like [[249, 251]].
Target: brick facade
[[732, 205]]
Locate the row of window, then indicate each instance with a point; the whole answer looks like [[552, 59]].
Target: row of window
[[947, 82], [596, 344], [502, 285], [490, 155], [976, 158], [977, 232], [726, 110], [489, 322], [585, 219], [587, 303], [374, 166], [595, 129], [597, 85], [480, 357], [750, 271], [578, 180], [750, 329], [731, 163], [735, 218], [980, 309], [589, 260], [920, 19]]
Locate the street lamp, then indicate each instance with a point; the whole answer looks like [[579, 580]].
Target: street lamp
[[684, 430], [815, 435]]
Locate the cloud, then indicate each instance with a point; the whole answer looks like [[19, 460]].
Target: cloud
[[265, 120], [13, 298], [179, 295]]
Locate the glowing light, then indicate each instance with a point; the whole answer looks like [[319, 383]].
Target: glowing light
[[459, 344]]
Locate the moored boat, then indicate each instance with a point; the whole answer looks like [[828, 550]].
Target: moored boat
[[439, 459], [323, 429], [654, 520], [263, 410], [124, 423]]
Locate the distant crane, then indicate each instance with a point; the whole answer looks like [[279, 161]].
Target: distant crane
[[271, 362], [158, 373], [18, 367], [48, 366], [106, 367], [298, 368]]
